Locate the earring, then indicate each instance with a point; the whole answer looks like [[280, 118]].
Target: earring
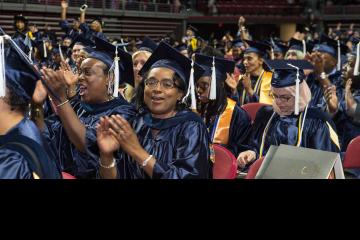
[[110, 89]]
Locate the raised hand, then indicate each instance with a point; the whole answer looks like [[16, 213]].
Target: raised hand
[[55, 80], [241, 21], [69, 77], [106, 141], [231, 82], [40, 93], [331, 98], [246, 81], [125, 135], [64, 4]]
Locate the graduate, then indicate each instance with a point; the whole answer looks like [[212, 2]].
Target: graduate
[[95, 30], [290, 120], [256, 81], [347, 118], [71, 131], [71, 30], [297, 50], [228, 124], [20, 26], [167, 140], [279, 50], [326, 58], [23, 151], [141, 55]]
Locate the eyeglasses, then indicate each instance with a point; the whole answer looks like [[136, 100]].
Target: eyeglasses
[[280, 98], [165, 83]]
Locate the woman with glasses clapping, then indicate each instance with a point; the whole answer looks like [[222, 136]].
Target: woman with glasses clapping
[[166, 140]]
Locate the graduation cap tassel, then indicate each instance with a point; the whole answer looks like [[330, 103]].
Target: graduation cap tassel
[[339, 56], [213, 82], [61, 53], [117, 74], [30, 53], [297, 94], [192, 87], [272, 53], [2, 67], [45, 51], [357, 62], [122, 42], [304, 46], [297, 89]]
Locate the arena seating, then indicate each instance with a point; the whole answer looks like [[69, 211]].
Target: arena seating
[[254, 7]]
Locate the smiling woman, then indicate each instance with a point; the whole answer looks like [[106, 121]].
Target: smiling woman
[[166, 140], [72, 133]]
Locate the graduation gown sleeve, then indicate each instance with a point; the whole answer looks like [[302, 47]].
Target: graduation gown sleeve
[[192, 155], [320, 132], [13, 165], [240, 127]]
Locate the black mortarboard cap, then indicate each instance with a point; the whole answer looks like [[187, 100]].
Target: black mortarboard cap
[[20, 17], [20, 75], [284, 71], [105, 52], [237, 43], [258, 47], [222, 66], [168, 57], [147, 44]]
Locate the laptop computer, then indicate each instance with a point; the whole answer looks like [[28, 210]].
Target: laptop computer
[[290, 162]]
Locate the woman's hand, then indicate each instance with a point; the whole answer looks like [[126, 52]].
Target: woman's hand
[[40, 93], [245, 158], [125, 135], [70, 78], [331, 98], [106, 141], [246, 82], [231, 82], [56, 82]]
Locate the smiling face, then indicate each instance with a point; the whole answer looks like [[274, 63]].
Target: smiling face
[[162, 100], [76, 52], [93, 81]]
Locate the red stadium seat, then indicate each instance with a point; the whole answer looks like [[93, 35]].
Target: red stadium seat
[[67, 176], [225, 165], [254, 168], [252, 109], [352, 154]]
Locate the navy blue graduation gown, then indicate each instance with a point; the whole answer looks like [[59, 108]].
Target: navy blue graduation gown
[[250, 99], [14, 162], [239, 130], [181, 148], [317, 93], [88, 34], [83, 164], [69, 31], [284, 130], [348, 129]]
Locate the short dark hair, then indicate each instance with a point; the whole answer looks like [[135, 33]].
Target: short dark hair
[[16, 102], [139, 94]]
